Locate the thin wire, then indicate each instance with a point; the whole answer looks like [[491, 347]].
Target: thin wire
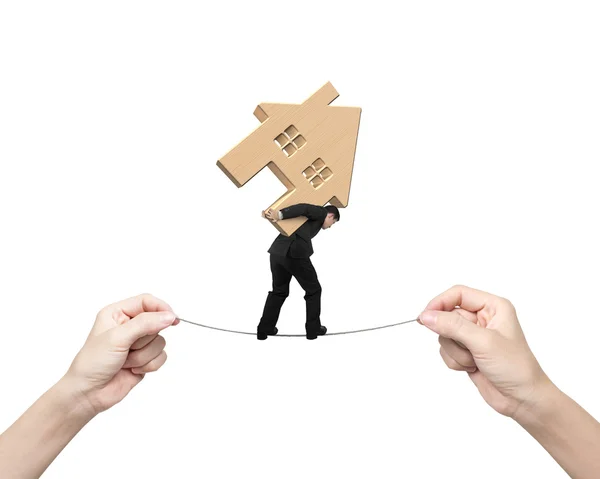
[[299, 335]]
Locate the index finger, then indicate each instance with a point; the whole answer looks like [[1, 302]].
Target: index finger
[[142, 303], [464, 297]]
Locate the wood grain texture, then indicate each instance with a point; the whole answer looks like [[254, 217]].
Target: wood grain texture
[[309, 147]]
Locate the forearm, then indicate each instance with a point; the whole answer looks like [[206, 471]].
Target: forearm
[[292, 211], [567, 431], [30, 445]]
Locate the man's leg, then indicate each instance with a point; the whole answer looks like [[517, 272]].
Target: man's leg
[[275, 298], [304, 271]]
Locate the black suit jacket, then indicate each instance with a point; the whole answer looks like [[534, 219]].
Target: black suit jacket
[[299, 243]]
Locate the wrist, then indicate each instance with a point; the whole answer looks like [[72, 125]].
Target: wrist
[[72, 401], [540, 405]]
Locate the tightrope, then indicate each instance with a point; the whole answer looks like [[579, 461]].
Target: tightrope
[[298, 335]]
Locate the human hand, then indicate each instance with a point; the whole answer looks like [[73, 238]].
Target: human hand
[[122, 346], [272, 215], [479, 333]]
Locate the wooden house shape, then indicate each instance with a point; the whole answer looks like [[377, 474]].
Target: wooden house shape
[[310, 147]]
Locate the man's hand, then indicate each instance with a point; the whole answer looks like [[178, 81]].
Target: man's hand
[[479, 333], [122, 346], [272, 215]]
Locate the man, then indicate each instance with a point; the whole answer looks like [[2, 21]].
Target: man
[[290, 256]]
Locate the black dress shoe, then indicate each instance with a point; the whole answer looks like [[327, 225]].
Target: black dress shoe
[[322, 332], [262, 336]]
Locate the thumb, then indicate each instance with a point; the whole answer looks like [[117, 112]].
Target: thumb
[[450, 324], [144, 324]]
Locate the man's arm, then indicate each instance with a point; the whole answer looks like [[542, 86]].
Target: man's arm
[[312, 212]]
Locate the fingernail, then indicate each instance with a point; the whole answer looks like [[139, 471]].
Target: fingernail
[[428, 318], [168, 317]]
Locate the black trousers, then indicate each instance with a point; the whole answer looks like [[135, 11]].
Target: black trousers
[[283, 268]]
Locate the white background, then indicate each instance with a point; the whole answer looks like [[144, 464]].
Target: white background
[[477, 163]]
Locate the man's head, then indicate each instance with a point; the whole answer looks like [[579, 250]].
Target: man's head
[[333, 216]]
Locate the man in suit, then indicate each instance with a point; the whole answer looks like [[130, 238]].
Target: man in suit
[[290, 256]]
